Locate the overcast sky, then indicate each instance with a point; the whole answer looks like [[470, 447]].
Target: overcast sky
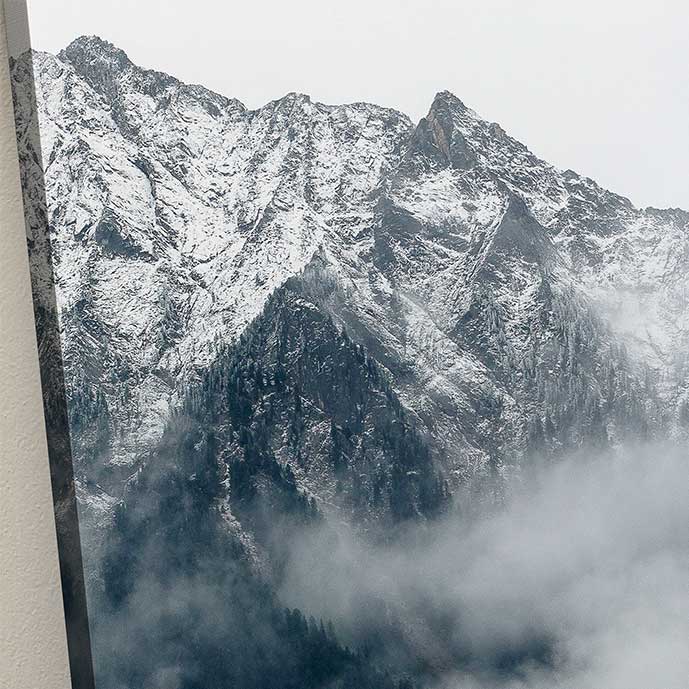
[[599, 86]]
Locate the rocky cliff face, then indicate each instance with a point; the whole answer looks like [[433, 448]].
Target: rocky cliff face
[[372, 319], [506, 301]]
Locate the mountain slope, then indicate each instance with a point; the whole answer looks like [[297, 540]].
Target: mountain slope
[[176, 212]]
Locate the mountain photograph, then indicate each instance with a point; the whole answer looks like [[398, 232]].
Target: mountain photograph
[[354, 400]]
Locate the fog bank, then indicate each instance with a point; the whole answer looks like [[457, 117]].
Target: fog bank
[[580, 582]]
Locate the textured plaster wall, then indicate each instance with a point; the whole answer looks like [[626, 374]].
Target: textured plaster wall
[[33, 647]]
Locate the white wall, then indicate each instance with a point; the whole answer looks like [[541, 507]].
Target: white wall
[[33, 645]]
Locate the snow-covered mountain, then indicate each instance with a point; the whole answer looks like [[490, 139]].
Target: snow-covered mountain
[[504, 298], [461, 261], [359, 315]]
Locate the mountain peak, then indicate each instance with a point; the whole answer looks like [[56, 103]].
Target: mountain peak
[[438, 140], [102, 65], [297, 96], [93, 49], [448, 99]]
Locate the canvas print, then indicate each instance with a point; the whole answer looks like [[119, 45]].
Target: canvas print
[[340, 396]]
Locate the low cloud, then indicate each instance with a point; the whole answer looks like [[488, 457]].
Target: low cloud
[[581, 581]]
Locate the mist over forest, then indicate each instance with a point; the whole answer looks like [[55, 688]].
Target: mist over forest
[[577, 580]]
